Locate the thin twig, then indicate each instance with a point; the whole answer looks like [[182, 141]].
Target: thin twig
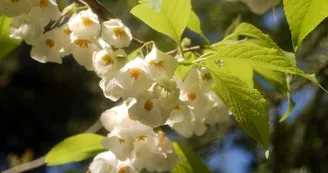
[[41, 161]]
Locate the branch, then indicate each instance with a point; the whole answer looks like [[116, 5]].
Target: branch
[[41, 161]]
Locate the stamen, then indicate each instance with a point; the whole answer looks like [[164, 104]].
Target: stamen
[[50, 43], [177, 107], [119, 32], [122, 141], [159, 64], [107, 59], [87, 22], [43, 3], [82, 43], [67, 31], [123, 170], [191, 96], [148, 106], [135, 73], [141, 138]]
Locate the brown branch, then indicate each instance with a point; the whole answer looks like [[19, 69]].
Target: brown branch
[[41, 161]]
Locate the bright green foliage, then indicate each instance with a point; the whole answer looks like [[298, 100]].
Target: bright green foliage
[[241, 70], [268, 58], [75, 148], [303, 16], [182, 71], [276, 79], [154, 4], [248, 106], [6, 44], [194, 25], [190, 161], [251, 31], [171, 20]]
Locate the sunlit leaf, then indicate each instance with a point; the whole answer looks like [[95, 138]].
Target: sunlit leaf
[[171, 20], [182, 71], [303, 16], [247, 105], [194, 25], [6, 43], [190, 161], [75, 148]]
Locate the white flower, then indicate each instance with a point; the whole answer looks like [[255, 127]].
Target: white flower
[[23, 28], [14, 8], [106, 162], [47, 48], [84, 25], [154, 154], [149, 110], [161, 65], [108, 62], [115, 33], [181, 120], [131, 81], [66, 45], [82, 51], [45, 11]]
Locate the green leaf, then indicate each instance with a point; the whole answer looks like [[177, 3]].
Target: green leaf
[[276, 79], [257, 56], [154, 4], [75, 148], [241, 70], [7, 44], [248, 106], [194, 25], [251, 31], [190, 161], [171, 20], [182, 71], [303, 16]]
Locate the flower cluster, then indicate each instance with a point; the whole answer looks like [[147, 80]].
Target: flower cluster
[[132, 145], [152, 95]]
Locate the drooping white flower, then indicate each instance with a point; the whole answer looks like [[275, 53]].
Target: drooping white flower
[[45, 11], [65, 40], [161, 65], [47, 48], [108, 62], [106, 162], [115, 33], [154, 154], [84, 25], [13, 8], [132, 80], [82, 51], [22, 27]]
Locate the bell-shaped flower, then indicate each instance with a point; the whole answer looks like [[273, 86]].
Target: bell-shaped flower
[[120, 142], [219, 113], [149, 110], [108, 62], [131, 81], [47, 48], [66, 43], [82, 51], [45, 11], [161, 65], [105, 162], [22, 27], [13, 8], [84, 25], [181, 120], [115, 33], [149, 154]]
